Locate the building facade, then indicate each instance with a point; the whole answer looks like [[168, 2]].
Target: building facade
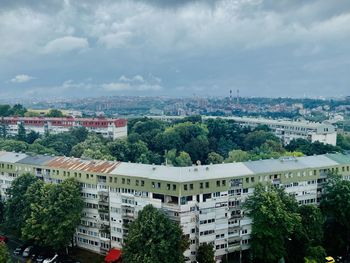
[[206, 200], [285, 130], [108, 128]]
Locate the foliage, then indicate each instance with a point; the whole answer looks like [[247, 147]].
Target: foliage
[[315, 254], [205, 253], [308, 148], [335, 206], [5, 256], [54, 113], [16, 208], [55, 212], [273, 222], [21, 136], [16, 110], [1, 209], [215, 158], [153, 238], [343, 141], [93, 147]]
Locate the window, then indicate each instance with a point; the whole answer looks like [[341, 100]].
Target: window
[[174, 187], [218, 183], [142, 183], [223, 182], [247, 180], [245, 190], [137, 182], [252, 179], [206, 184], [115, 180], [201, 185], [168, 186], [127, 181], [185, 187], [123, 180], [191, 186]]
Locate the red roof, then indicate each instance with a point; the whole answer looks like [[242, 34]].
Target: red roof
[[113, 255]]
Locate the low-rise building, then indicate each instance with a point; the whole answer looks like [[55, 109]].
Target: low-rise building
[[206, 200], [108, 128]]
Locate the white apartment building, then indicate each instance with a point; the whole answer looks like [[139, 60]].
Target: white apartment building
[[206, 200]]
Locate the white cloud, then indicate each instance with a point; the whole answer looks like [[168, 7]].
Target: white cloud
[[66, 43], [21, 78], [135, 83]]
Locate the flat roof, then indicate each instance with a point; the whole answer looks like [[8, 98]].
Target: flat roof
[[179, 174]]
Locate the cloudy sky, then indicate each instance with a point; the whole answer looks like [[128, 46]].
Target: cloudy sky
[[77, 48]]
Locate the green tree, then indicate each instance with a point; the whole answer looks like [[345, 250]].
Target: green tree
[[5, 256], [183, 159], [153, 238], [32, 136], [16, 208], [13, 145], [206, 253], [17, 110], [1, 210], [21, 135], [215, 158], [56, 210], [257, 138], [315, 254], [54, 113], [273, 222], [119, 149], [238, 156], [335, 205]]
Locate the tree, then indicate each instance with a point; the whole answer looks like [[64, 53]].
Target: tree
[[183, 159], [56, 210], [153, 238], [5, 256], [1, 210], [307, 237], [335, 205], [206, 253], [54, 113], [21, 135], [16, 208], [13, 145], [238, 156], [215, 158], [273, 222], [32, 136], [257, 138]]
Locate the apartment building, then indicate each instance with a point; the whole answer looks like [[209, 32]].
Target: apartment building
[[108, 128], [206, 200], [284, 129]]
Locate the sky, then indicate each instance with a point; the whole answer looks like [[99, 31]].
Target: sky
[[269, 48]]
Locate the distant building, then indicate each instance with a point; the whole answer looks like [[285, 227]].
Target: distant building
[[289, 130], [108, 128]]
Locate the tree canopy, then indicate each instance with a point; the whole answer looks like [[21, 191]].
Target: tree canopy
[[153, 238]]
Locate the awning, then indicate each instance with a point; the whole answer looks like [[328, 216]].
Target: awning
[[113, 255]]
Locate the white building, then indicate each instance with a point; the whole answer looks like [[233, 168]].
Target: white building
[[206, 200], [108, 128]]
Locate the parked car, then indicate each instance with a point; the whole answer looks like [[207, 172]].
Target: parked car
[[27, 252], [19, 250], [330, 260], [3, 239], [51, 259], [44, 254]]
